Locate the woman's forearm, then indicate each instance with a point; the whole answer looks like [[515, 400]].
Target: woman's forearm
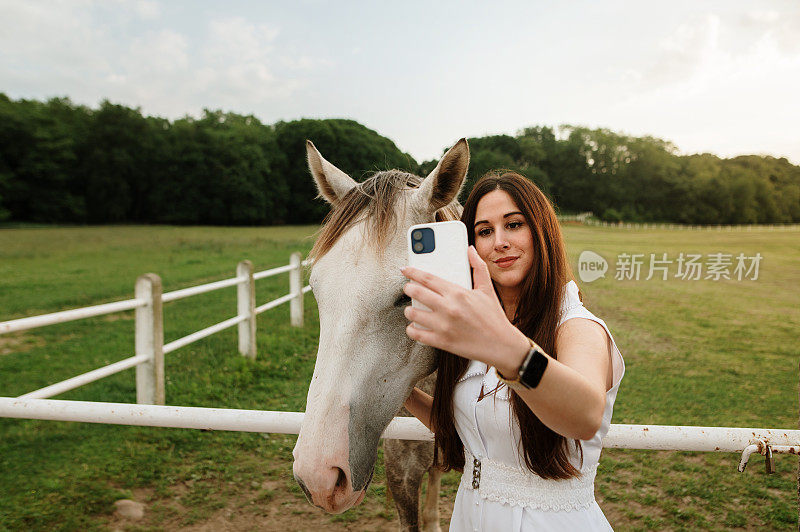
[[565, 401], [419, 404]]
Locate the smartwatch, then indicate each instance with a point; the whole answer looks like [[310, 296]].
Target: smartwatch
[[530, 371]]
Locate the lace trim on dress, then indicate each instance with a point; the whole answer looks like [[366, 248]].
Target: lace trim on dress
[[567, 309], [470, 375], [500, 482]]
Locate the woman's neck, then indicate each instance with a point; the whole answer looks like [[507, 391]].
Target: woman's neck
[[509, 297]]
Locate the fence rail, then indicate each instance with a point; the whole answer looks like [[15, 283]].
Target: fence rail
[[85, 378], [692, 227], [651, 437], [587, 218], [64, 316], [182, 417], [150, 348], [201, 289], [199, 335]]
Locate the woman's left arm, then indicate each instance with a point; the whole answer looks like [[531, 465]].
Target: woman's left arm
[[570, 398]]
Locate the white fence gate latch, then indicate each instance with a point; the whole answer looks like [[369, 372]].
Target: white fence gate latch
[[762, 447], [769, 464]]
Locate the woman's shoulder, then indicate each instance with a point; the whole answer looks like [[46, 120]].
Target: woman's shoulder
[[572, 307]]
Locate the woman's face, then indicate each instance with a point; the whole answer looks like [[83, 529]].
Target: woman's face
[[503, 239]]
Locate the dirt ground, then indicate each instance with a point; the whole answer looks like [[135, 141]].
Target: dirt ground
[[284, 511], [266, 507], [281, 511], [277, 504]]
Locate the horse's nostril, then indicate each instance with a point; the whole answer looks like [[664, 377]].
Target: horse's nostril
[[341, 480]]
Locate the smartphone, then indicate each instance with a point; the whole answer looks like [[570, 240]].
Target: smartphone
[[440, 248]]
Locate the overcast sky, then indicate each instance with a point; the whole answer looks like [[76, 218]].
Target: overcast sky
[[718, 76]]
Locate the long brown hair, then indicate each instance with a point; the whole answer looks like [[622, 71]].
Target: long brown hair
[[537, 315]]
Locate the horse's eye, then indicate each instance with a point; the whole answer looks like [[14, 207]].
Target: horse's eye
[[402, 301]]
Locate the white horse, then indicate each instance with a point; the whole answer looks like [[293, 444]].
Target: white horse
[[366, 365]]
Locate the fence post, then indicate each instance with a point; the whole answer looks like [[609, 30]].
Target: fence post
[[246, 304], [296, 289], [150, 341]]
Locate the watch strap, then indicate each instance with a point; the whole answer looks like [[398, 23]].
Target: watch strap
[[530, 370]]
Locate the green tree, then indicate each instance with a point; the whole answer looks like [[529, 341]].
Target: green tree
[[38, 159], [353, 148], [117, 162], [223, 169], [65, 163]]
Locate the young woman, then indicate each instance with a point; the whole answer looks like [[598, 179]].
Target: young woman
[[527, 375]]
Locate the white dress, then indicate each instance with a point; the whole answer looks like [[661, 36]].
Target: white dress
[[509, 497]]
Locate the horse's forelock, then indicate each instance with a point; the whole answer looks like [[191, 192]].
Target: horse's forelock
[[374, 201]]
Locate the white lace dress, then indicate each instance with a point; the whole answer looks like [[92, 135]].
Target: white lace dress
[[509, 497]]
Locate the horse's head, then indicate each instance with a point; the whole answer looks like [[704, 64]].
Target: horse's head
[[366, 364]]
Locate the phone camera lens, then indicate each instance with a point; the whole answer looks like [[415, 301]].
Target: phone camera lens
[[418, 246], [416, 235]]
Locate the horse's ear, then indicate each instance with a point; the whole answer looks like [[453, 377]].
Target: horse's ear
[[444, 182], [331, 182]]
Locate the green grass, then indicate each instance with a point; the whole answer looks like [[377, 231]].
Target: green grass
[[711, 353]]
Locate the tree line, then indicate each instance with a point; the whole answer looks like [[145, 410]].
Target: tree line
[[66, 163], [643, 179]]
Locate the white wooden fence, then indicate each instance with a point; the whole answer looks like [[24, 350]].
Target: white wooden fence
[[689, 227], [662, 437], [149, 345], [587, 218], [149, 363]]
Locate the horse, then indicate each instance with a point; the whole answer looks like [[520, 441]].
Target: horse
[[366, 365]]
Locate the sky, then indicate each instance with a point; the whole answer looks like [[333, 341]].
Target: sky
[[720, 77]]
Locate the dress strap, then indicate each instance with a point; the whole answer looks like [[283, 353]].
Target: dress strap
[[500, 482]]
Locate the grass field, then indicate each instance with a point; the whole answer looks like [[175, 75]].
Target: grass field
[[718, 353]]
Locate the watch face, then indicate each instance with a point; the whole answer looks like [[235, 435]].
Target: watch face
[[535, 369]]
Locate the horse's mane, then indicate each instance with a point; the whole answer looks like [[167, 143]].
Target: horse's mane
[[372, 201]]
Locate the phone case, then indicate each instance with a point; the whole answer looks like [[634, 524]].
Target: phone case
[[448, 260]]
